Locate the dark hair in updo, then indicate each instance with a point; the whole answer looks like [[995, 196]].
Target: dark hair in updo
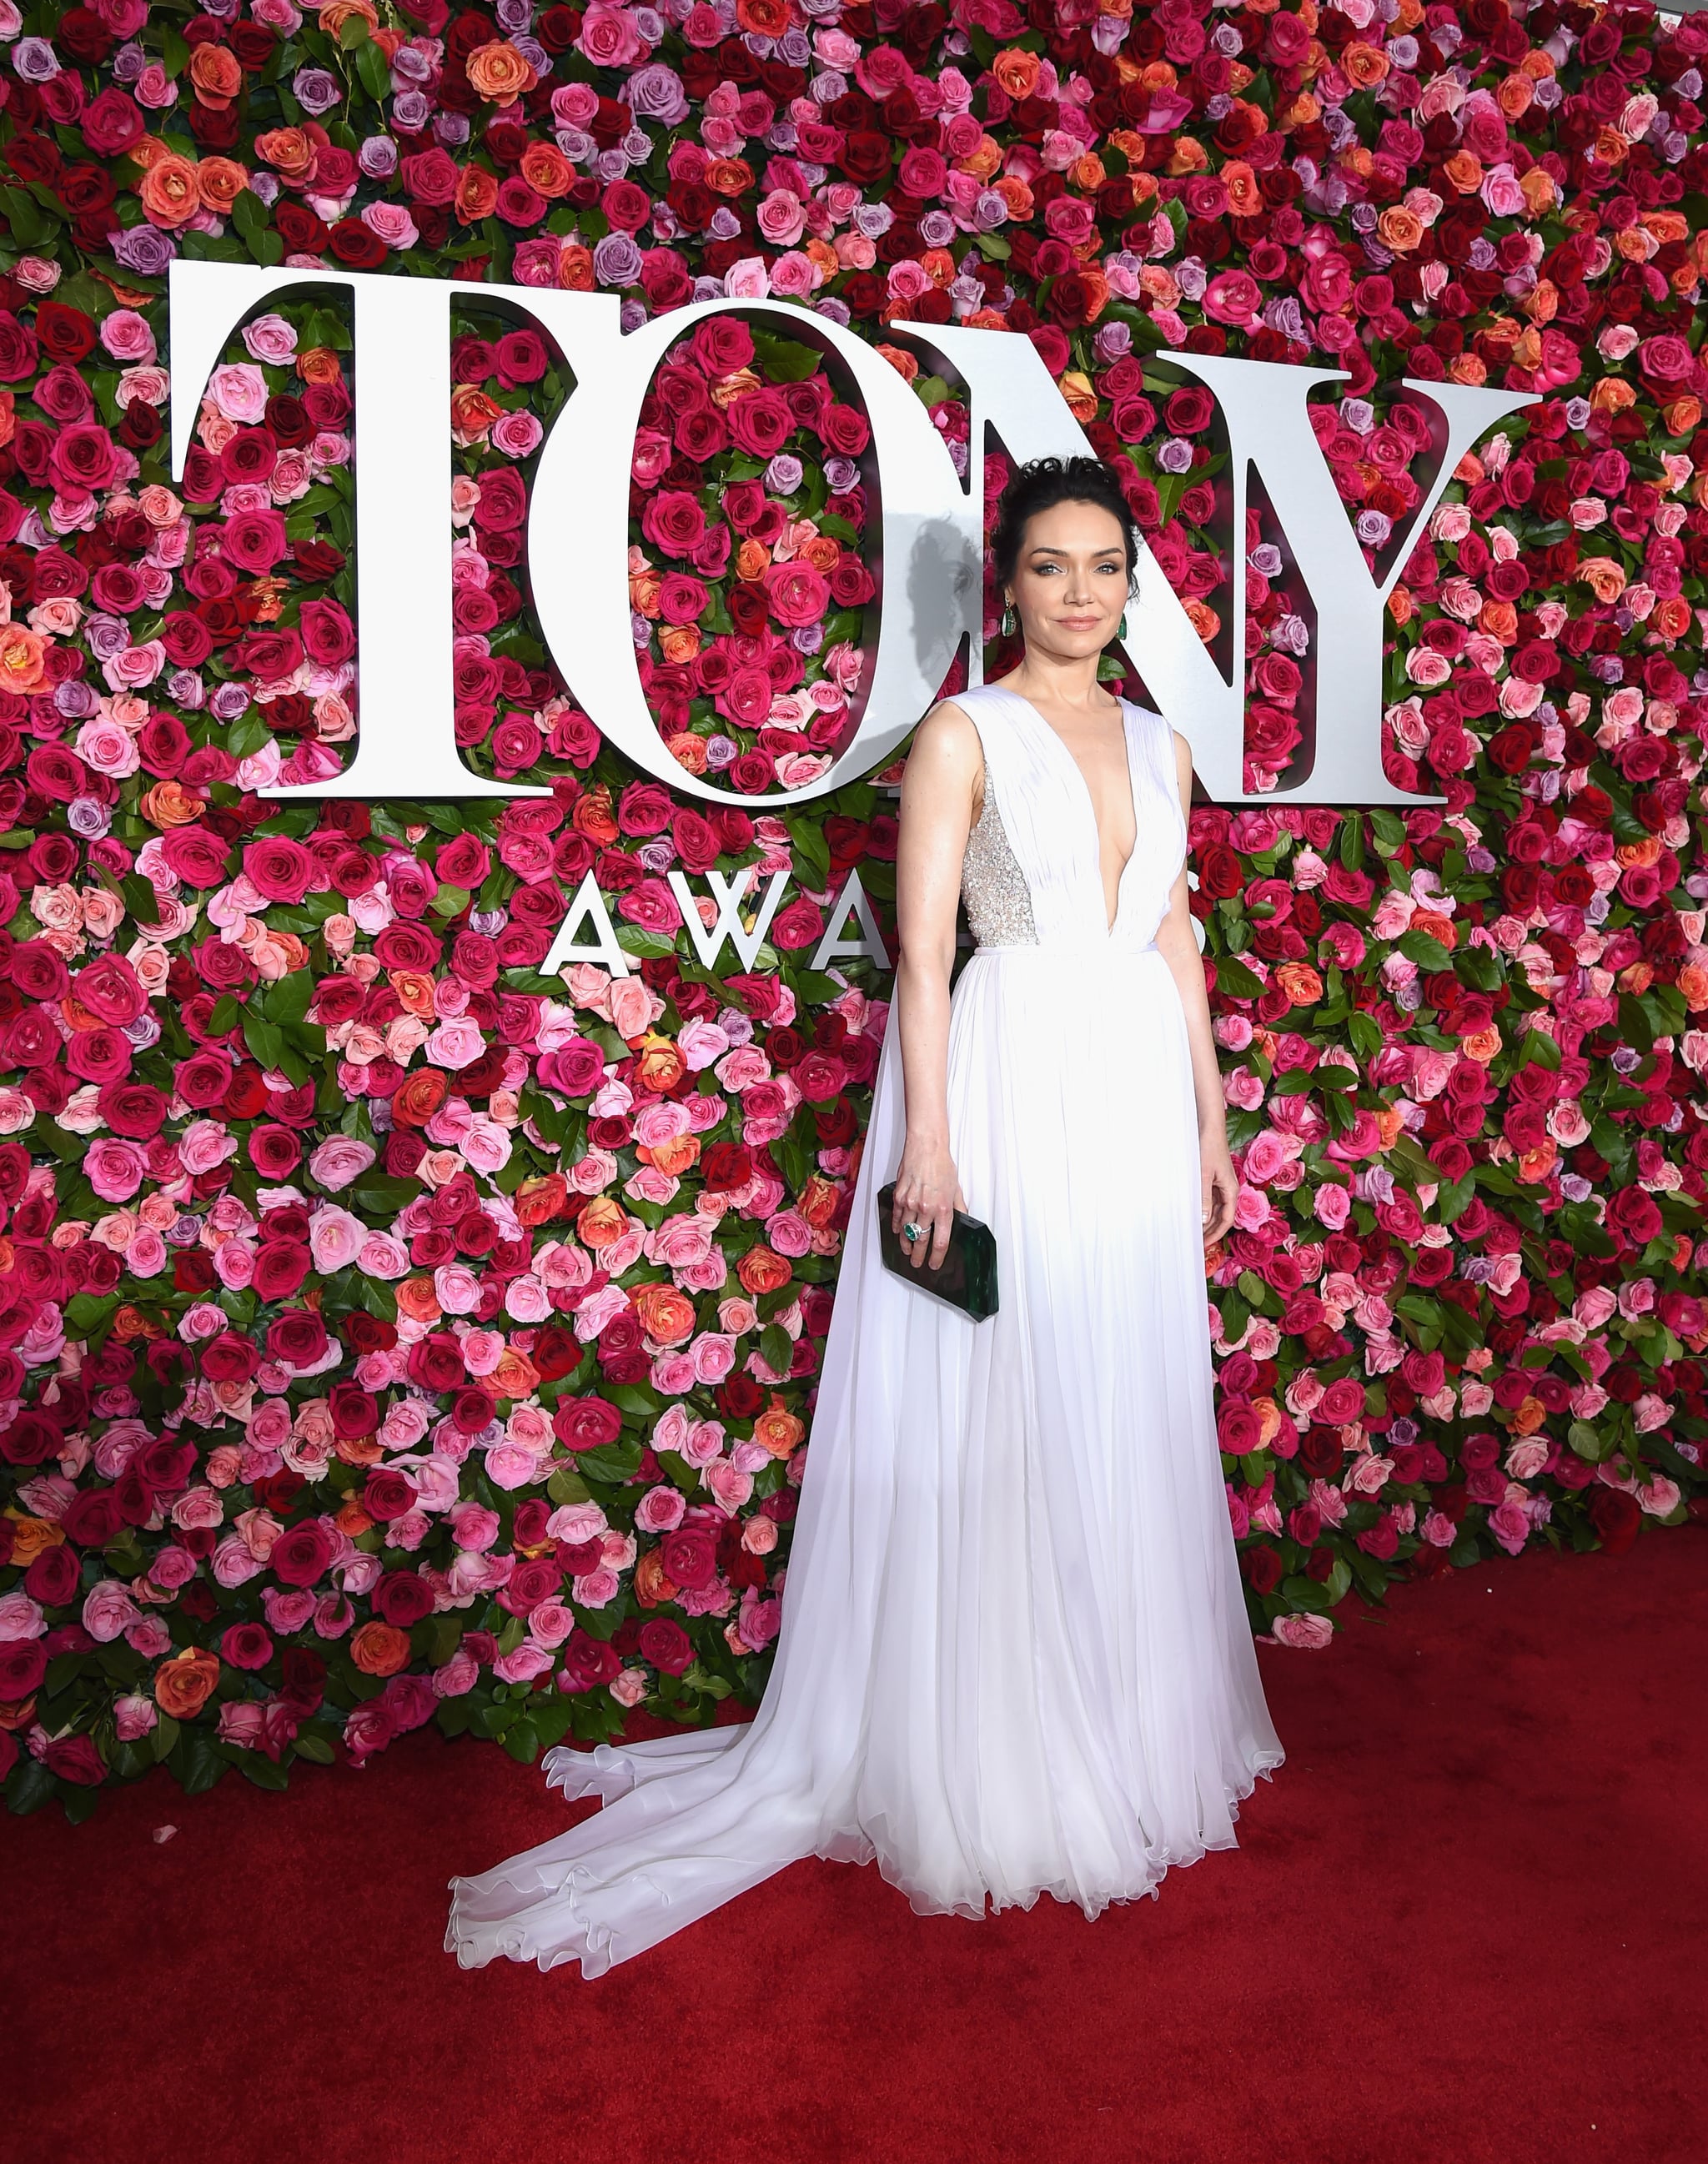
[[1040, 485]]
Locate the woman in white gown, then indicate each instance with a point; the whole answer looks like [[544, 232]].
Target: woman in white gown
[[1014, 1655]]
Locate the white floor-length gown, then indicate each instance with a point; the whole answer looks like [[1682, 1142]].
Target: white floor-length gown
[[1013, 1655]]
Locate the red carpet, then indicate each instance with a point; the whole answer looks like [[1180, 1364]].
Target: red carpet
[[1467, 1924]]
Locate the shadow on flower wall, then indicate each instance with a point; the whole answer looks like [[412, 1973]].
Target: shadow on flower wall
[[390, 1332]]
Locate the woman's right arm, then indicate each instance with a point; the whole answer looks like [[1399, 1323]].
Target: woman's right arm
[[943, 769]]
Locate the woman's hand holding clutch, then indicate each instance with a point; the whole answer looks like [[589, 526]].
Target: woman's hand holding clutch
[[927, 1195]]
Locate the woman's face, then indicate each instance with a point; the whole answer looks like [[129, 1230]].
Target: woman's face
[[1069, 583]]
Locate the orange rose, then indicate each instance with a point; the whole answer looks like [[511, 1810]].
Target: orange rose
[[1500, 620], [600, 1221], [499, 74], [319, 364], [417, 1299], [216, 74], [337, 12], [472, 414], [817, 1199], [419, 1097], [1301, 982], [22, 651], [1363, 64], [221, 180], [660, 1065], [477, 195], [679, 644], [666, 1315], [1015, 71], [1671, 618], [1204, 620], [1438, 926], [540, 1197], [1604, 577], [166, 805], [688, 751], [1245, 197], [575, 269], [380, 1649], [673, 1158], [170, 192], [728, 176], [515, 1375], [1483, 1045], [766, 19], [414, 989], [1399, 229], [292, 154], [1537, 1164], [545, 168], [183, 1684], [777, 1430], [593, 815], [651, 1584], [30, 1536], [761, 1269], [352, 1518]]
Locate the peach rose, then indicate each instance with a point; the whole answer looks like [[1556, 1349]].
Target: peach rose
[[21, 654], [666, 1315], [170, 190], [1015, 71], [499, 74], [221, 181], [183, 1684], [660, 1065], [777, 1430], [216, 74], [603, 1220]]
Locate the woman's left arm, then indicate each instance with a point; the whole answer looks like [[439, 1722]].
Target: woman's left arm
[[1179, 947]]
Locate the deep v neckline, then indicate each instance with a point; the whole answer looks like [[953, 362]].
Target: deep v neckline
[[1057, 738]]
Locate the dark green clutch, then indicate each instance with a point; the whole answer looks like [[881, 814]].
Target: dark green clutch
[[966, 1277]]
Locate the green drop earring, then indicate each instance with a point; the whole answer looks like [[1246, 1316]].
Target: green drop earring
[[1121, 627], [1008, 623]]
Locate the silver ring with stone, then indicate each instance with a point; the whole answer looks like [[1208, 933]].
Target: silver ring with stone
[[912, 1231]]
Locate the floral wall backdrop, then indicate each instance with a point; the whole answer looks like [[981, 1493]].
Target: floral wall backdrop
[[391, 1333]]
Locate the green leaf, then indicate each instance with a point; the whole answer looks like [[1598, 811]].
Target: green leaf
[[776, 1348], [374, 69], [226, 1015], [1425, 949], [1235, 980], [612, 1463]]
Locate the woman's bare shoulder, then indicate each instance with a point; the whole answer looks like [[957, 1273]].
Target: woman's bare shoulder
[[949, 734]]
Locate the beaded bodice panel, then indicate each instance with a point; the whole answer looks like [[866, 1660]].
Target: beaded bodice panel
[[993, 886]]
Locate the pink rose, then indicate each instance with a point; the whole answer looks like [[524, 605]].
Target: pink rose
[[114, 1168], [339, 1159]]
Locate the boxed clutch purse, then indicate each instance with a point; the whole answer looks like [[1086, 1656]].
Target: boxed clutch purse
[[966, 1277]]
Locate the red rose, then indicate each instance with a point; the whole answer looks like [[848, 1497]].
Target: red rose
[[297, 1339], [588, 1662], [246, 1645], [387, 1495], [666, 1644], [403, 1597], [301, 1553], [689, 1557], [1615, 1517], [586, 1423], [22, 1664], [74, 1758]]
